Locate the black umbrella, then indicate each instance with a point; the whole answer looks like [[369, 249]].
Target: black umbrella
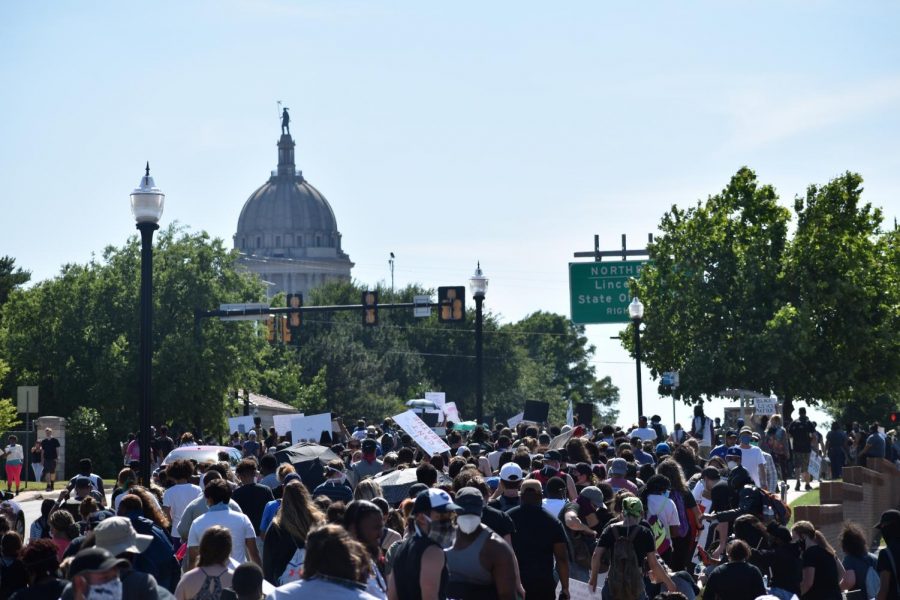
[[395, 484], [308, 460]]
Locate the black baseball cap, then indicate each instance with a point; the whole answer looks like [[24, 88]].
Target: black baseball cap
[[95, 560], [889, 518], [553, 455], [711, 473], [470, 501], [369, 445]]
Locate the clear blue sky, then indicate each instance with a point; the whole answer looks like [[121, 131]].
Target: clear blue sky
[[446, 133]]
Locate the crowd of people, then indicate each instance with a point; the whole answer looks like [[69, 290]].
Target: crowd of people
[[525, 512]]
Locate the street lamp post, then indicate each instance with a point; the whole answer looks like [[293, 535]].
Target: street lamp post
[[636, 312], [478, 284], [147, 206]]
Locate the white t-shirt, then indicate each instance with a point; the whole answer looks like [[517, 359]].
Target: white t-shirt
[[751, 459], [665, 510], [178, 497], [646, 434], [14, 453], [238, 524], [706, 427]]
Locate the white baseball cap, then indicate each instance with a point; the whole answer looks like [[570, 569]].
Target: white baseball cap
[[511, 472]]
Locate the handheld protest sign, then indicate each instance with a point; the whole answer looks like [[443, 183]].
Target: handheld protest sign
[[536, 412]]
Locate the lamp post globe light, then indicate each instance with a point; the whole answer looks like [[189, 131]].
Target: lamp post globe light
[[478, 285], [636, 312], [147, 206]]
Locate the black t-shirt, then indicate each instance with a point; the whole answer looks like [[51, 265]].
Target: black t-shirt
[[786, 565], [252, 499], [498, 521], [504, 503], [800, 431], [49, 446], [884, 564], [536, 533], [721, 496], [826, 584], [734, 581], [164, 445], [643, 541]]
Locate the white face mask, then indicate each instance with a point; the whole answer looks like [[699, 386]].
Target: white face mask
[[468, 523], [111, 590], [732, 464]]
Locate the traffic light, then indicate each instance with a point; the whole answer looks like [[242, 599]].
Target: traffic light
[[295, 319], [270, 329], [894, 418], [451, 304], [370, 308], [285, 330]]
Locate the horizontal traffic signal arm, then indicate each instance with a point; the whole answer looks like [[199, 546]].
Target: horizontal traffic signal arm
[[282, 310]]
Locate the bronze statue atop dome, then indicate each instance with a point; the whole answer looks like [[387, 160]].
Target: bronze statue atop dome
[[285, 122]]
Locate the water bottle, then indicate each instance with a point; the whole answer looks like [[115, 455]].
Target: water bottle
[[766, 582]]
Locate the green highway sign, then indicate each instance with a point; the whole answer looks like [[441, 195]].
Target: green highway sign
[[598, 291]]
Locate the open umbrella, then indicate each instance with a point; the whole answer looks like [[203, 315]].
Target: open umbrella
[[421, 403], [308, 460], [395, 484], [465, 426]]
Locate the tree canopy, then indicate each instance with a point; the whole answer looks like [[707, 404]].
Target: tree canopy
[[733, 301]]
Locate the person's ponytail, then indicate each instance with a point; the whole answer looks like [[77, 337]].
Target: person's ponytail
[[820, 540]]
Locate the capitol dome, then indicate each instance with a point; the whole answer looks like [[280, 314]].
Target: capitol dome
[[287, 232]]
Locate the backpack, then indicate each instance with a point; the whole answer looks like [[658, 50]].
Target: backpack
[[294, 568], [781, 512], [625, 578], [660, 539], [684, 528]]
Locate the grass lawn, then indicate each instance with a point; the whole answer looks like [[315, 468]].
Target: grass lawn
[[811, 497]]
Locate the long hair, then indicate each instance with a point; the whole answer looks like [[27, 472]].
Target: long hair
[[673, 472], [331, 551], [215, 547], [297, 514], [367, 489], [809, 530], [150, 507], [853, 540]]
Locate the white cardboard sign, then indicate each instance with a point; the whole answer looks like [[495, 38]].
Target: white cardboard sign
[[579, 590], [240, 424], [515, 420], [283, 422], [815, 465], [421, 433], [451, 413], [310, 428], [439, 398], [766, 406]]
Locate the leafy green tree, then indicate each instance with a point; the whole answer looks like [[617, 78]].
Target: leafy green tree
[[9, 415], [712, 287], [838, 328], [11, 277], [82, 347], [86, 434], [606, 398]]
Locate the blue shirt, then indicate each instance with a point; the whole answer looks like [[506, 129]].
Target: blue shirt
[[719, 451], [642, 457], [269, 513]]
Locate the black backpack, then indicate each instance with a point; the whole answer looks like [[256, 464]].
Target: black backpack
[[659, 432]]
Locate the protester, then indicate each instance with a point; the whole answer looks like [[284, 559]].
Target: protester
[[857, 564], [510, 482], [49, 456], [803, 437], [363, 521], [822, 571], [539, 540], [336, 569], [212, 573], [15, 458], [218, 494], [251, 497], [888, 565], [158, 559], [39, 558], [284, 548], [177, 497], [419, 567], [736, 579]]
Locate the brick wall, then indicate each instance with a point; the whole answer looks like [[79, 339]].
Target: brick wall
[[861, 497]]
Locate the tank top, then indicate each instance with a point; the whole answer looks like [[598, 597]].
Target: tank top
[[408, 566], [465, 565], [211, 588]]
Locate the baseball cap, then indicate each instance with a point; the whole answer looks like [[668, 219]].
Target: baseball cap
[[511, 472], [663, 448], [730, 433], [746, 429], [470, 501], [369, 445], [251, 433], [552, 455], [632, 507], [734, 451], [618, 466], [594, 494], [95, 560], [434, 499], [889, 518], [117, 535]]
